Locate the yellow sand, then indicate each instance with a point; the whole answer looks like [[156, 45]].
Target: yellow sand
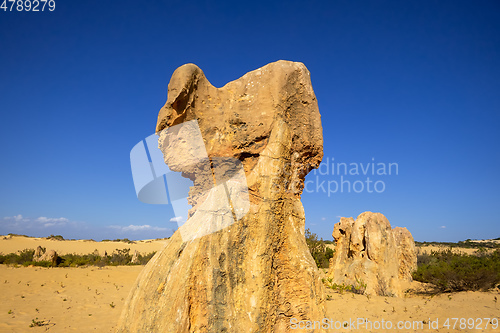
[[68, 299], [11, 244], [416, 312], [90, 299]]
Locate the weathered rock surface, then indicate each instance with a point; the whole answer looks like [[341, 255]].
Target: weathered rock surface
[[41, 255], [38, 253], [255, 274], [407, 254], [135, 257], [367, 250]]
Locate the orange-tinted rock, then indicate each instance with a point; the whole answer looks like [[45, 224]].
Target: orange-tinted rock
[[253, 273], [369, 252]]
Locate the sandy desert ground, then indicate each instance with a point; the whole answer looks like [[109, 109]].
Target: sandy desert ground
[[416, 313], [90, 299], [10, 244], [65, 299]]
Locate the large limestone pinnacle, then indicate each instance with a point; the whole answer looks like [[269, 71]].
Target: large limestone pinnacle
[[236, 265]]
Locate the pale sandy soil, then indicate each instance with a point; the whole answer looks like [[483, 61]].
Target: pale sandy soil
[[80, 299], [90, 299], [11, 244], [415, 311], [67, 299]]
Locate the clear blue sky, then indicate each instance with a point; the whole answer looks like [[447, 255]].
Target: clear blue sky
[[415, 83]]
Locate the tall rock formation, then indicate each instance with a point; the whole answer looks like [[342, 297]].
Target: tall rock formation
[[236, 265], [369, 252]]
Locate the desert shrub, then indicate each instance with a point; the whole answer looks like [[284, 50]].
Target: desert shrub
[[44, 263], [144, 259], [56, 237], [358, 288], [450, 271], [120, 257], [124, 240], [469, 244], [20, 258], [10, 258], [26, 255], [35, 322], [75, 260], [18, 235], [319, 251]]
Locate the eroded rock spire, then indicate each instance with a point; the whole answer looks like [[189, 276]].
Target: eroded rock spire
[[226, 272]]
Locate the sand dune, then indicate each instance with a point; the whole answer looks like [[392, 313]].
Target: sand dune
[[11, 244]]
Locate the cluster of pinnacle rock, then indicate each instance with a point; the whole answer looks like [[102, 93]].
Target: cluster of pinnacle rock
[[252, 272]]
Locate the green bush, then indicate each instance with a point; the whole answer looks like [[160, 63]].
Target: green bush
[[124, 240], [38, 263], [450, 271], [319, 251], [118, 257], [144, 259], [469, 244], [358, 288], [20, 258], [76, 260], [18, 235], [56, 237]]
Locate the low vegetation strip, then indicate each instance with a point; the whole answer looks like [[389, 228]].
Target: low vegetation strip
[[450, 271], [467, 244], [446, 269], [118, 257]]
